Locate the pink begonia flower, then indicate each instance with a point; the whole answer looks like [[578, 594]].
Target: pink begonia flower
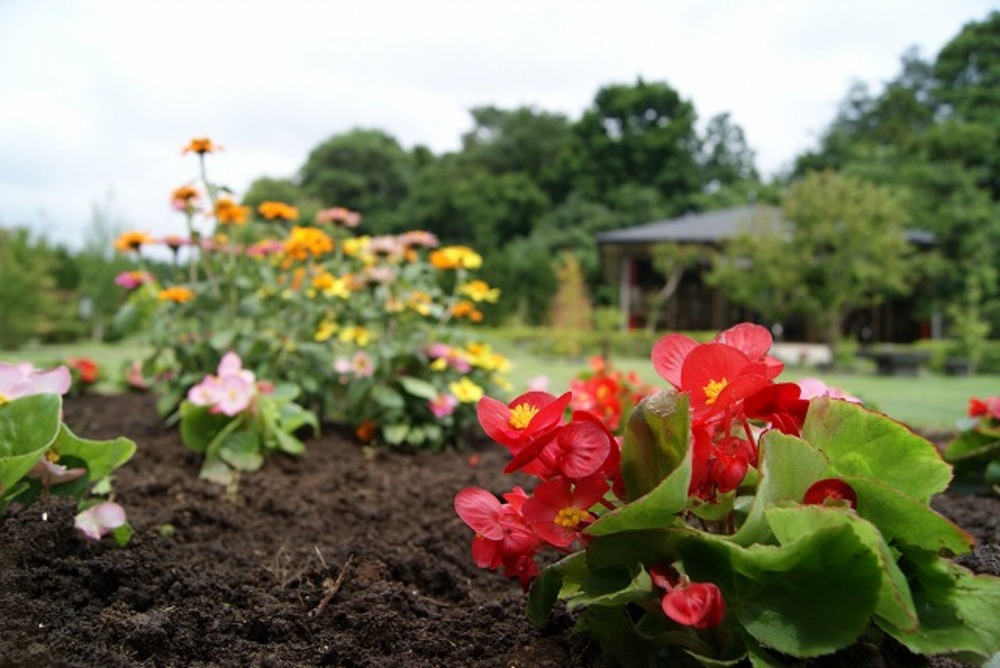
[[98, 521], [23, 379], [49, 473], [443, 405], [130, 280], [230, 392], [814, 387]]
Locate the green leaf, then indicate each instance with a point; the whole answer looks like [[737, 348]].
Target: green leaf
[[895, 601], [863, 443], [906, 521], [28, 426], [288, 443], [394, 434], [200, 426], [293, 417], [542, 595], [655, 441], [969, 444], [958, 610], [615, 633], [418, 387], [612, 586], [788, 466], [386, 397], [655, 510], [809, 597], [215, 470], [101, 457], [242, 451]]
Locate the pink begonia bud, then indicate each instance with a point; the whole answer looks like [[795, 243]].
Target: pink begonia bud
[[100, 520], [49, 473]]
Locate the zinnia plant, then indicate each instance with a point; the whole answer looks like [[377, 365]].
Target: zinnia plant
[[735, 520], [40, 456], [371, 329]]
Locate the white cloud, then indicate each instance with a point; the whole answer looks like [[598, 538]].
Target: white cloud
[[103, 94]]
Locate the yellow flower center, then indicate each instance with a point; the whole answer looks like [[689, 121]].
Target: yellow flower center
[[713, 389], [520, 416], [52, 456], [570, 517]]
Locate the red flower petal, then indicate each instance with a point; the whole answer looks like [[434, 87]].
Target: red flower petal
[[669, 354], [834, 490], [481, 511], [752, 340]]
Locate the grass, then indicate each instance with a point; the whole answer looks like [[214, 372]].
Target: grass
[[927, 402]]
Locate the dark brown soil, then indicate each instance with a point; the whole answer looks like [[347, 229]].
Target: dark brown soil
[[211, 580]]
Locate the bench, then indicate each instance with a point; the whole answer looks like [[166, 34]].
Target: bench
[[896, 362]]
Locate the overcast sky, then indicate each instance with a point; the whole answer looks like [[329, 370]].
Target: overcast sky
[[99, 96]]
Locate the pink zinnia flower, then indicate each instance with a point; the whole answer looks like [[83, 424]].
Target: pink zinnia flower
[[443, 405]]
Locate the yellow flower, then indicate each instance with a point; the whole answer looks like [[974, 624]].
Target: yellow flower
[[278, 211], [420, 302], [176, 294], [201, 146], [229, 212], [306, 242], [326, 329], [355, 245], [355, 334], [132, 241], [480, 291], [466, 391], [481, 355], [455, 257]]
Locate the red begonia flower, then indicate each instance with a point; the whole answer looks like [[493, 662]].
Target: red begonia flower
[[697, 604], [780, 405], [531, 416], [580, 449], [559, 509], [717, 376], [830, 491]]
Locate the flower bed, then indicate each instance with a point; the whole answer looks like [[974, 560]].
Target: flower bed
[[211, 580]]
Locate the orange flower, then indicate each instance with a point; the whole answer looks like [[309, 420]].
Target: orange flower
[[466, 309], [366, 431], [455, 257], [176, 294], [201, 146], [132, 241], [227, 211], [184, 194], [278, 211], [307, 241]]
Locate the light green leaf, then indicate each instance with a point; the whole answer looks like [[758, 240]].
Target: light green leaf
[[859, 442], [199, 426], [386, 397], [288, 443], [418, 387], [101, 457], [242, 451], [958, 610], [394, 434], [895, 601], [809, 597], [27, 427], [788, 466], [655, 441]]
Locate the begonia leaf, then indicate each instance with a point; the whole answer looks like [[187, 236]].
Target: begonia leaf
[[895, 602], [242, 451], [655, 441], [972, 443], [630, 548], [101, 457], [863, 443], [787, 467], [655, 510], [386, 397], [200, 426], [288, 443], [542, 595], [610, 586], [394, 434], [958, 610], [615, 633], [805, 598], [903, 520], [28, 425]]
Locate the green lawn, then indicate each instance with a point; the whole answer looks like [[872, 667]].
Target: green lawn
[[929, 402]]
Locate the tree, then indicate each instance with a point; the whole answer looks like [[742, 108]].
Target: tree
[[672, 261], [26, 286], [363, 170], [643, 134], [840, 245]]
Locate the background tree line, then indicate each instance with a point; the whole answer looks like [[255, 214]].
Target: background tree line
[[528, 186]]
